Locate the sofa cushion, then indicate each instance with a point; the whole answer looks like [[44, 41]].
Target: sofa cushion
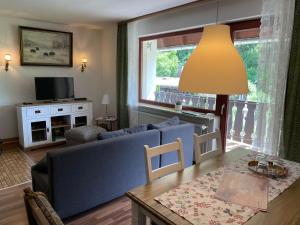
[[112, 134], [169, 134], [83, 134], [42, 165], [170, 122], [136, 129]]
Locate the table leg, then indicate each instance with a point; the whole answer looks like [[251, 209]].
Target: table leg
[[138, 218]]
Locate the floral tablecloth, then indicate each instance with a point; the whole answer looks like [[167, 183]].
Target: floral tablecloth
[[195, 200]]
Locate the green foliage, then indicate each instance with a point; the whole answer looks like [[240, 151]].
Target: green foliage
[[157, 88], [167, 64], [252, 95], [250, 53], [183, 55]]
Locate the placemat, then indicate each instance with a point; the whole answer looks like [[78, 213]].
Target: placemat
[[244, 189]]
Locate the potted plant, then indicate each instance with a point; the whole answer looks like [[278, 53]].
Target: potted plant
[[178, 106]]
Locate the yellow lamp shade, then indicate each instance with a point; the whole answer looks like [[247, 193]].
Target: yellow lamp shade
[[215, 66]]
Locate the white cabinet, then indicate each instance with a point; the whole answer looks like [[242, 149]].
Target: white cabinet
[[79, 108], [39, 132], [81, 119], [41, 124], [61, 109], [38, 111]]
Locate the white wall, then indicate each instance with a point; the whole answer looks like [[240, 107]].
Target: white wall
[[108, 62], [17, 85], [149, 69]]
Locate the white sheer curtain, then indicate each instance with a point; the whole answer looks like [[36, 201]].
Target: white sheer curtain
[[275, 37], [133, 51]]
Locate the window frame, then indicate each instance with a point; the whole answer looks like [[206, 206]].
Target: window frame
[[234, 26]]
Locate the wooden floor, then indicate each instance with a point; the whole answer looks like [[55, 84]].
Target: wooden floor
[[12, 210]]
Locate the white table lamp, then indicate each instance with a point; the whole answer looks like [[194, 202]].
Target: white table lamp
[[106, 102]]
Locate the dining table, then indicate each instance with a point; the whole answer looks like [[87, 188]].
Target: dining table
[[282, 210]]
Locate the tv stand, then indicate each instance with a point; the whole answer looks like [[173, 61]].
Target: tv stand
[[48, 101], [44, 123], [80, 99]]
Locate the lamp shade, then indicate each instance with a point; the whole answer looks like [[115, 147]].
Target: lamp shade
[[215, 66], [7, 57], [105, 99]]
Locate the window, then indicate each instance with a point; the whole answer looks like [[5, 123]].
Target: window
[[247, 43], [241, 117], [162, 58]]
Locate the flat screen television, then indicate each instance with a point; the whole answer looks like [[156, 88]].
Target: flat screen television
[[54, 88]]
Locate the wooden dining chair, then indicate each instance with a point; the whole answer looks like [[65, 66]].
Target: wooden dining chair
[[159, 150], [38, 209], [202, 142]]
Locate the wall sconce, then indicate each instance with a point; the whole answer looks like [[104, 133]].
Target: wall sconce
[[83, 64], [7, 58]]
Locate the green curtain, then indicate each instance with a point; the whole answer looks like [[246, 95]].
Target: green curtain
[[122, 75], [291, 123]]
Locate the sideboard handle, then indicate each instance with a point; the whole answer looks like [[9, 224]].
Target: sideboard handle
[[37, 111], [60, 110], [80, 107]]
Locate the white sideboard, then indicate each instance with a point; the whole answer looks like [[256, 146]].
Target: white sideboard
[[45, 123]]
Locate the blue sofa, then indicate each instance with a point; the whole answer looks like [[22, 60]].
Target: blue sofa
[[169, 134], [78, 178]]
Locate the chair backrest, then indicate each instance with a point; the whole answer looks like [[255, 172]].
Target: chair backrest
[[34, 214], [159, 150], [202, 142], [39, 215]]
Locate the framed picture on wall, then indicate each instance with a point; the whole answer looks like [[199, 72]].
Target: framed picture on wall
[[40, 47]]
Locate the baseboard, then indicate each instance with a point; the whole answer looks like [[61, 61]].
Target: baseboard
[[43, 146], [10, 140]]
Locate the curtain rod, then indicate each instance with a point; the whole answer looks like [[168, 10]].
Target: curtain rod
[[186, 5]]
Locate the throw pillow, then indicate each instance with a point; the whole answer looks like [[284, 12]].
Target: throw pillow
[[136, 129], [84, 133], [170, 122], [112, 134]]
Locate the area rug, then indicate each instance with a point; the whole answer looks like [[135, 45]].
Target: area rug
[[14, 168]]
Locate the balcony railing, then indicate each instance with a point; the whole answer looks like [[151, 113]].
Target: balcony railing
[[171, 96], [241, 123]]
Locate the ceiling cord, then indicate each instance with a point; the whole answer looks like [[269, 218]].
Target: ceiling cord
[[218, 6]]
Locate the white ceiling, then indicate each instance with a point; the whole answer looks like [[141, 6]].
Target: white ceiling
[[84, 12]]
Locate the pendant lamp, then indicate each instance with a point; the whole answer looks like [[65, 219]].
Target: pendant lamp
[[215, 66]]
